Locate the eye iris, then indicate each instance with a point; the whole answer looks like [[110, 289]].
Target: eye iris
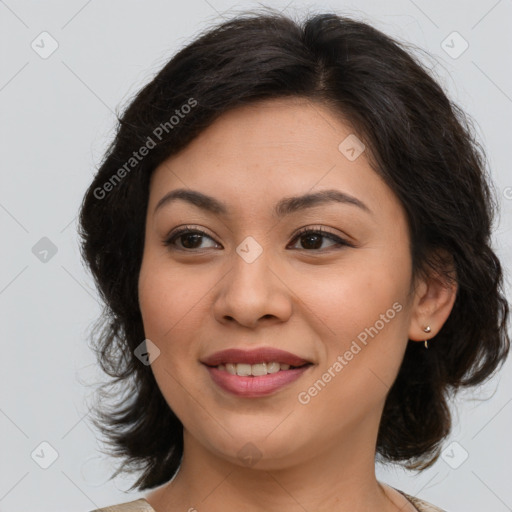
[[194, 236], [311, 236]]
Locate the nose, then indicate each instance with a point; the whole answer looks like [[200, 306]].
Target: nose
[[252, 293]]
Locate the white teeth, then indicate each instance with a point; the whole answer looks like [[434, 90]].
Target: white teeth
[[273, 367], [244, 369], [230, 368], [259, 369]]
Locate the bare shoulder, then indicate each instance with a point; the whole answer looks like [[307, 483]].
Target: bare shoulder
[[140, 505]]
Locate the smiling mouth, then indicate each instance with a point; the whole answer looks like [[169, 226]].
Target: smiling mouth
[[256, 370]]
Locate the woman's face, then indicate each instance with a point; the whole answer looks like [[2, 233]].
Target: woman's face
[[337, 300]]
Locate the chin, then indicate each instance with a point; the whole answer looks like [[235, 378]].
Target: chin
[[259, 448]]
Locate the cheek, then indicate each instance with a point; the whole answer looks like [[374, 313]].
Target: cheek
[[353, 295], [365, 317], [169, 299], [169, 303]]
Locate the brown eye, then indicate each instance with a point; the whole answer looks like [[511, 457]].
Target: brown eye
[[190, 239], [312, 239]]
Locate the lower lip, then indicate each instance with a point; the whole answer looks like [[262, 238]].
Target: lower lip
[[262, 385]]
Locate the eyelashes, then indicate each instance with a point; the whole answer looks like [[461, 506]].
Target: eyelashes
[[196, 235], [180, 233]]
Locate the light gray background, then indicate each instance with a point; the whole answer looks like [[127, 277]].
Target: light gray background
[[58, 117]]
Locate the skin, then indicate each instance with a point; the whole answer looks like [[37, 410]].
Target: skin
[[313, 302]]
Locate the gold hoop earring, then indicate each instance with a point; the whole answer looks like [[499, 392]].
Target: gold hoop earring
[[427, 329]]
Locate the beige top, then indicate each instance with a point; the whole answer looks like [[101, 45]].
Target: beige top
[[141, 505]]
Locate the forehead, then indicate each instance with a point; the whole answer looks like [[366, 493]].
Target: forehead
[[272, 148]]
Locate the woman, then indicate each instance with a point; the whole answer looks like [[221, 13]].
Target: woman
[[291, 232]]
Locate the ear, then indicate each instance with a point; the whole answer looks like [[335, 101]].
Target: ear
[[434, 296]]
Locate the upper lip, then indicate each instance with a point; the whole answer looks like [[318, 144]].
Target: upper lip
[[254, 356]]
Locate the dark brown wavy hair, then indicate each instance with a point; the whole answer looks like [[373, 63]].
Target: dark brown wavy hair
[[418, 141]]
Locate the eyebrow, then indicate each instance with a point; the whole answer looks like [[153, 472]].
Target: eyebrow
[[284, 207]]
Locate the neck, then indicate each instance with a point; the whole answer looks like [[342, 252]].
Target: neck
[[340, 478]]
